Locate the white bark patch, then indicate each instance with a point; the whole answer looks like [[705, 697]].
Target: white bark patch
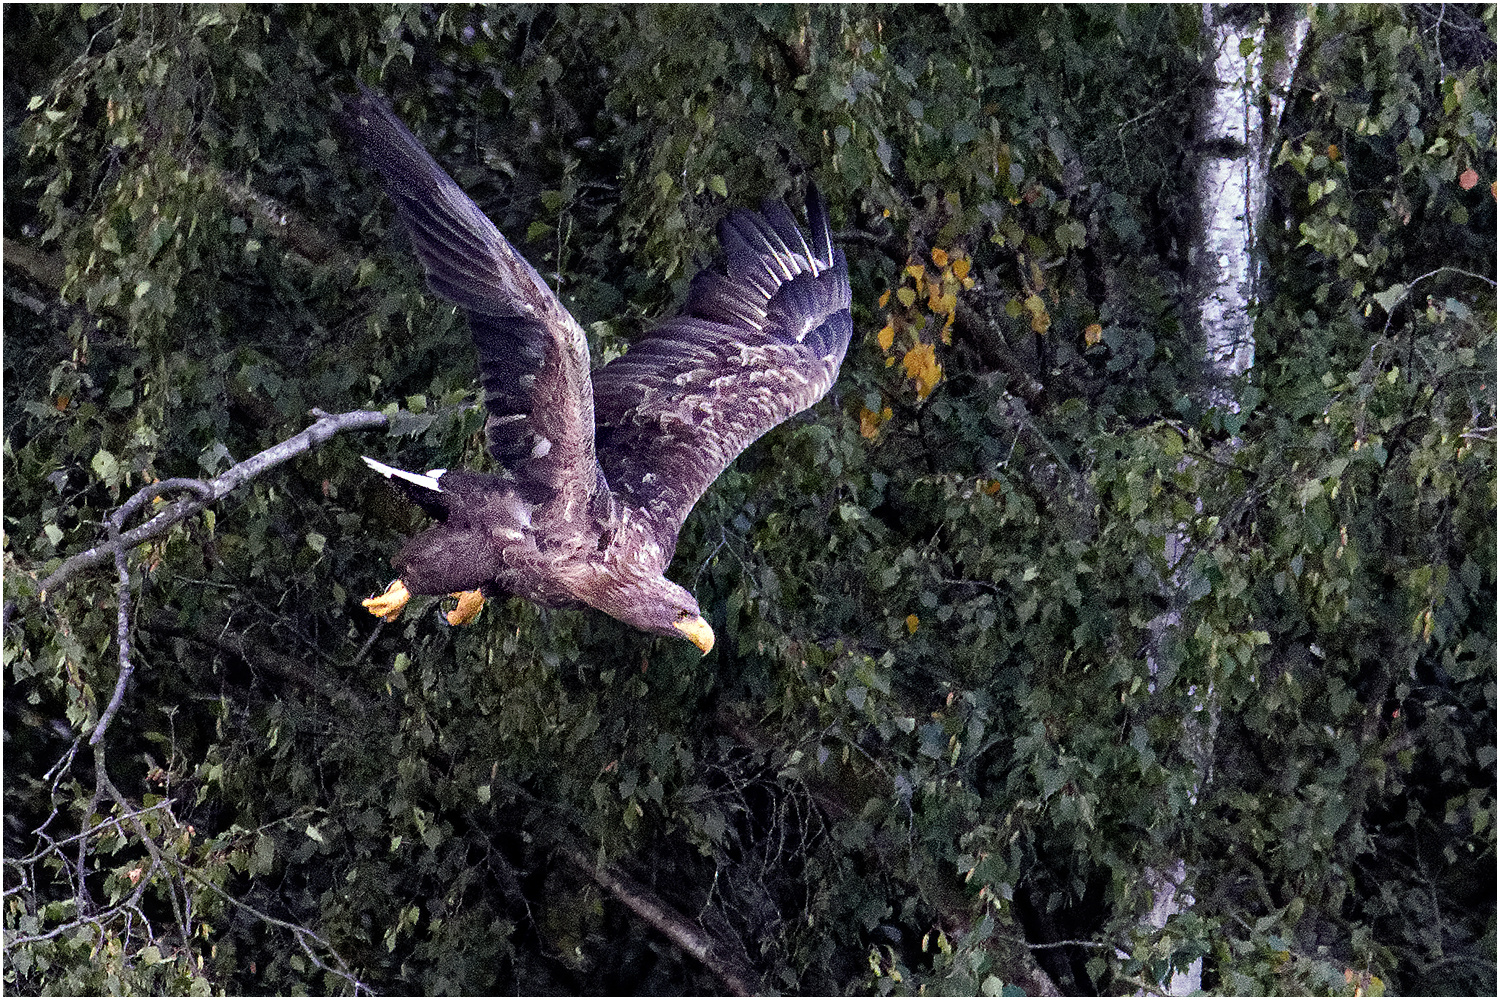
[[1232, 193], [1231, 199], [1232, 189]]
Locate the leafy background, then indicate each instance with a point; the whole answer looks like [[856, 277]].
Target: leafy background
[[928, 750]]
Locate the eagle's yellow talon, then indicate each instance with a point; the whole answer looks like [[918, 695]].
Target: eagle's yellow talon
[[389, 604], [470, 603]]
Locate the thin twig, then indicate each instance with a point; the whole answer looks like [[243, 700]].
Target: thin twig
[[1390, 314], [1056, 944], [302, 934], [111, 822], [104, 784]]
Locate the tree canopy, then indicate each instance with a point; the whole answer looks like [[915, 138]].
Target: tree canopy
[[944, 734]]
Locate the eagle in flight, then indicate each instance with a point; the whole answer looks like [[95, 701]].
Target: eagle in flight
[[600, 469]]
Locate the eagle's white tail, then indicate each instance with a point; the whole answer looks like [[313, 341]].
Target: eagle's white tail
[[428, 481]]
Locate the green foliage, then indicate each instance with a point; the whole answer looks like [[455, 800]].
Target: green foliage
[[931, 751]]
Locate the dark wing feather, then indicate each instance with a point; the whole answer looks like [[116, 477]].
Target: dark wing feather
[[752, 347], [533, 357]]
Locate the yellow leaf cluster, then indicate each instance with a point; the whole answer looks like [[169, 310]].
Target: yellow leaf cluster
[[922, 367], [936, 287], [1092, 334], [870, 421], [912, 621], [942, 295]]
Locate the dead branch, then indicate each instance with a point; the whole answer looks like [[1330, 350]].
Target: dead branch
[[46, 269], [205, 493], [299, 235], [164, 865], [990, 343], [678, 928], [305, 938]]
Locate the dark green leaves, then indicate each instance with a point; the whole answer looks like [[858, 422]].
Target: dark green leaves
[[966, 659]]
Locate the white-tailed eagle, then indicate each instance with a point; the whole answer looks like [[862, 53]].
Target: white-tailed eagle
[[599, 470]]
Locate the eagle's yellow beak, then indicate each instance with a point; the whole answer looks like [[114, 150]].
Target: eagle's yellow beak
[[698, 631]]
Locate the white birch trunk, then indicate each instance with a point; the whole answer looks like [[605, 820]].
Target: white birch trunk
[[1225, 273]]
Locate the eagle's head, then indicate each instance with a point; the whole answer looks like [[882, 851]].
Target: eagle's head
[[656, 604]]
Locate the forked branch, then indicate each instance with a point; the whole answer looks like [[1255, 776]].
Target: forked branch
[[202, 493]]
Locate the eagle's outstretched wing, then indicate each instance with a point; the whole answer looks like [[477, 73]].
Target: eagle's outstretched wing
[[753, 346], [533, 357]]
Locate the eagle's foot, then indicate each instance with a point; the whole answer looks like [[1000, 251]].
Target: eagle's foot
[[389, 604], [470, 603]]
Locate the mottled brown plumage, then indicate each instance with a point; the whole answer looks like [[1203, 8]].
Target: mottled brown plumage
[[600, 471]]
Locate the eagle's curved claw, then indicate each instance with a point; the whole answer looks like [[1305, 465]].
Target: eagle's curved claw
[[389, 604], [470, 603]]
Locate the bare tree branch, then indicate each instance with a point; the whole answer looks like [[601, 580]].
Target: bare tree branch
[[122, 570], [300, 235], [104, 784], [20, 878], [995, 352], [46, 269], [206, 493], [302, 934], [117, 543], [678, 928]]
